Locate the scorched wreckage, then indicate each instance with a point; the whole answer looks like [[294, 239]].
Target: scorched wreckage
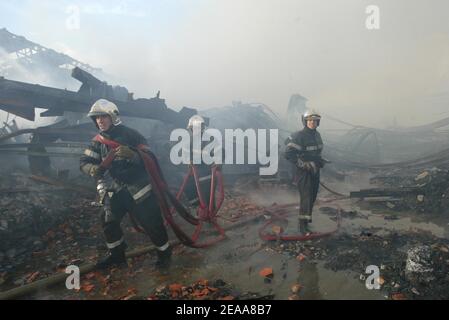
[[110, 185]]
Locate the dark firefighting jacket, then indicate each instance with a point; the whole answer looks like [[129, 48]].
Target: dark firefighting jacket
[[129, 174], [304, 145]]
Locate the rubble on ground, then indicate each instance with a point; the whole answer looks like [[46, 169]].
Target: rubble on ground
[[424, 192], [204, 290], [413, 265], [33, 215], [52, 228], [333, 212], [96, 284]]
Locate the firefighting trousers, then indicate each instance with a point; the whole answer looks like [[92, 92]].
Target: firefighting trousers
[[148, 216], [308, 185]]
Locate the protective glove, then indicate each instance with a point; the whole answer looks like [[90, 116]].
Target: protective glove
[[311, 166], [125, 152], [96, 171], [308, 166]]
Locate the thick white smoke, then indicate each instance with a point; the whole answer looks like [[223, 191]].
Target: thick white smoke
[[209, 53]]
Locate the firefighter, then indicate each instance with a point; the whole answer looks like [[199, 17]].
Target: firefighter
[[204, 170], [124, 188], [303, 149]]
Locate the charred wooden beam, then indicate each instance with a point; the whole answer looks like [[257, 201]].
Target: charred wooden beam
[[22, 99], [386, 192]]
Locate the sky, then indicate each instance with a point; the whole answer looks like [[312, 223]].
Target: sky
[[208, 53]]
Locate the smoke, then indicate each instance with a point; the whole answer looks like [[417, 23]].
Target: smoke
[[13, 70], [209, 53]]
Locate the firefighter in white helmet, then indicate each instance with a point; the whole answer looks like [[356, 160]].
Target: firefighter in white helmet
[[197, 121], [126, 185], [303, 149], [198, 125], [105, 107]]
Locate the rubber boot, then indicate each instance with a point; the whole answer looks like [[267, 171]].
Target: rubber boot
[[303, 227], [116, 258], [163, 259]]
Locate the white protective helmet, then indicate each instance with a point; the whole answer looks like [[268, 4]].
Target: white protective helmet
[[311, 115], [102, 107], [196, 120]]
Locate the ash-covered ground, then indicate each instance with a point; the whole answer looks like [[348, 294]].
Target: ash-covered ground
[[47, 225]]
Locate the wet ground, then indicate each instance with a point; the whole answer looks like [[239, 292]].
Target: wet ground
[[328, 268]]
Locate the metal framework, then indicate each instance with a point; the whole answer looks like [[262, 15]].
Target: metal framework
[[20, 50]]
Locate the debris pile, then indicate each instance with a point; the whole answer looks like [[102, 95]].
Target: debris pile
[[412, 265], [204, 290], [333, 213], [28, 212], [426, 192], [419, 264], [236, 207]]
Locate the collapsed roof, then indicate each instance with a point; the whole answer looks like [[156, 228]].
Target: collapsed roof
[[19, 55]]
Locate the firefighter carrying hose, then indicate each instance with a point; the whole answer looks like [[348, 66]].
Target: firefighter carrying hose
[[124, 187], [303, 149]]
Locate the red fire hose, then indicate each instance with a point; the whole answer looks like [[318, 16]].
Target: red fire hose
[[207, 211], [280, 213]]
